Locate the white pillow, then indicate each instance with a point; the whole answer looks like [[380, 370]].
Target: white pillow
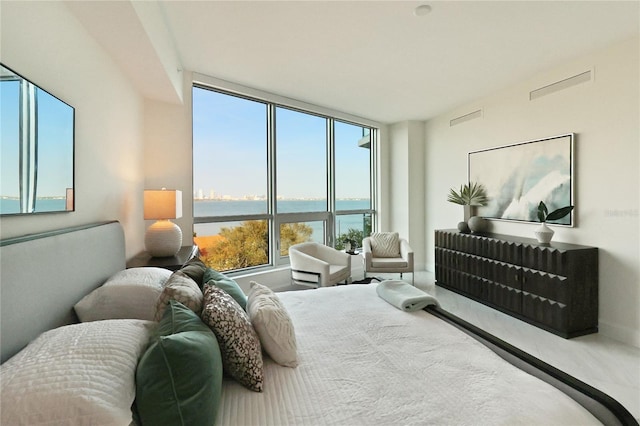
[[385, 244], [131, 293], [80, 374], [273, 324]]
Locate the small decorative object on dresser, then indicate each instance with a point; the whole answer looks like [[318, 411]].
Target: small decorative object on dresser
[[470, 195], [477, 224], [543, 233], [463, 227]]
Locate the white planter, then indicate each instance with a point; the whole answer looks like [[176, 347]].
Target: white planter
[[544, 234], [468, 212]]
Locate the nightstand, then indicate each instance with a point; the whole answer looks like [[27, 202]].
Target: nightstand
[[357, 264], [172, 263]]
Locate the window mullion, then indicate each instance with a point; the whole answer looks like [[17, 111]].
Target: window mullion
[[274, 232], [331, 187]]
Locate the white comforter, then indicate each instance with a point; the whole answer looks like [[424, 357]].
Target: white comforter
[[364, 362]]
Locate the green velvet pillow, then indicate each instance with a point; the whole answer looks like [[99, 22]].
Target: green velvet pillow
[[179, 377], [213, 277], [195, 269]]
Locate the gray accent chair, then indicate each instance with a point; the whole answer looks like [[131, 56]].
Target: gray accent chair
[[401, 263]]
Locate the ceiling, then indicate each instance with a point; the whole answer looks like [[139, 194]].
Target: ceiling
[[373, 59]]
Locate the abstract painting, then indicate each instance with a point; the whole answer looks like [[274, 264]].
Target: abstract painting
[[517, 177]]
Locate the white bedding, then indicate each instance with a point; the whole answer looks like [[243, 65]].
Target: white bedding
[[364, 362], [80, 374]]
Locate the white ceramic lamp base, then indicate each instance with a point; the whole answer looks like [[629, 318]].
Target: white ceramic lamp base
[[163, 239]]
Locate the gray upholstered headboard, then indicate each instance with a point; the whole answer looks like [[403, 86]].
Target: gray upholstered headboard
[[43, 275]]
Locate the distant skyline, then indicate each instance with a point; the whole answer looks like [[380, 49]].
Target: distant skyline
[[199, 195], [230, 151]]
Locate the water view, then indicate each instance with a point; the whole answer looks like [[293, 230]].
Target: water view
[[205, 208]]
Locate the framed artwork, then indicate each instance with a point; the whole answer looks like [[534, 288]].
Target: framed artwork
[[517, 177]]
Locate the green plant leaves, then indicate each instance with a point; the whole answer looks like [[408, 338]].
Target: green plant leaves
[[472, 194], [542, 212], [544, 215], [560, 213]]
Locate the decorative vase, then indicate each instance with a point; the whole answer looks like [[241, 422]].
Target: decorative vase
[[477, 224], [468, 212], [544, 234], [463, 227]]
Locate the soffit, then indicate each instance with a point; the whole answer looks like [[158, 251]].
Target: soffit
[[373, 59]]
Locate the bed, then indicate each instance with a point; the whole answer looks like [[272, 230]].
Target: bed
[[357, 359]]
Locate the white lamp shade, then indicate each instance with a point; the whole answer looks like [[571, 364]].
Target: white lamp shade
[[162, 204]]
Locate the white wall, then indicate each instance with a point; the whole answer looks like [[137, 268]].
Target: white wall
[[168, 153], [406, 196], [605, 116], [47, 45]]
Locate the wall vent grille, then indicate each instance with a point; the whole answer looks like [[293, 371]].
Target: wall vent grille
[[561, 85], [466, 117]]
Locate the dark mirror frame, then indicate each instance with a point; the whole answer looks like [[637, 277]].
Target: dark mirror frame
[[37, 129]]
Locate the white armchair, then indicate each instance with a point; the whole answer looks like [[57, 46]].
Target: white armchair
[[387, 252], [317, 265]]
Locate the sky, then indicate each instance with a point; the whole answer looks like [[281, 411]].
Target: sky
[[55, 142], [230, 150]]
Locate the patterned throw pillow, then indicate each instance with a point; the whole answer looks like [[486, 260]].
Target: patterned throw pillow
[[195, 270], [273, 324], [239, 342], [385, 244], [183, 289]]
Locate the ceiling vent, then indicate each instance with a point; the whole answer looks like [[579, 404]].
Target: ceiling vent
[[466, 117], [561, 85]]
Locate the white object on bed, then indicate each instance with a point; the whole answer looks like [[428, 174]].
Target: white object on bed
[[80, 374], [364, 362], [130, 293], [404, 296]]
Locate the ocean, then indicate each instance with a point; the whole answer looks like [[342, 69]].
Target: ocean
[[12, 205], [236, 207]]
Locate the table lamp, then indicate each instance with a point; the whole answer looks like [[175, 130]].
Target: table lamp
[[163, 238]]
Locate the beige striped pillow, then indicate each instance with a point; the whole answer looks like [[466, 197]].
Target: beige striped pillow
[[385, 244]]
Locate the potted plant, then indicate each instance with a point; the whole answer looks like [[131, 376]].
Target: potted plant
[[544, 233], [469, 195]]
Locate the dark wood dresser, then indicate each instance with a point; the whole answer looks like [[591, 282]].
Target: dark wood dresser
[[554, 287]]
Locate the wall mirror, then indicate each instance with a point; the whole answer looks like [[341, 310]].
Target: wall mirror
[[37, 147]]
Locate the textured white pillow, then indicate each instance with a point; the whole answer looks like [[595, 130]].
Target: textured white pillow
[[273, 324], [80, 374], [131, 293], [385, 244]]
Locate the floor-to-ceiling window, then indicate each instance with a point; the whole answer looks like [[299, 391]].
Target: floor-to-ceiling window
[[267, 176]]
